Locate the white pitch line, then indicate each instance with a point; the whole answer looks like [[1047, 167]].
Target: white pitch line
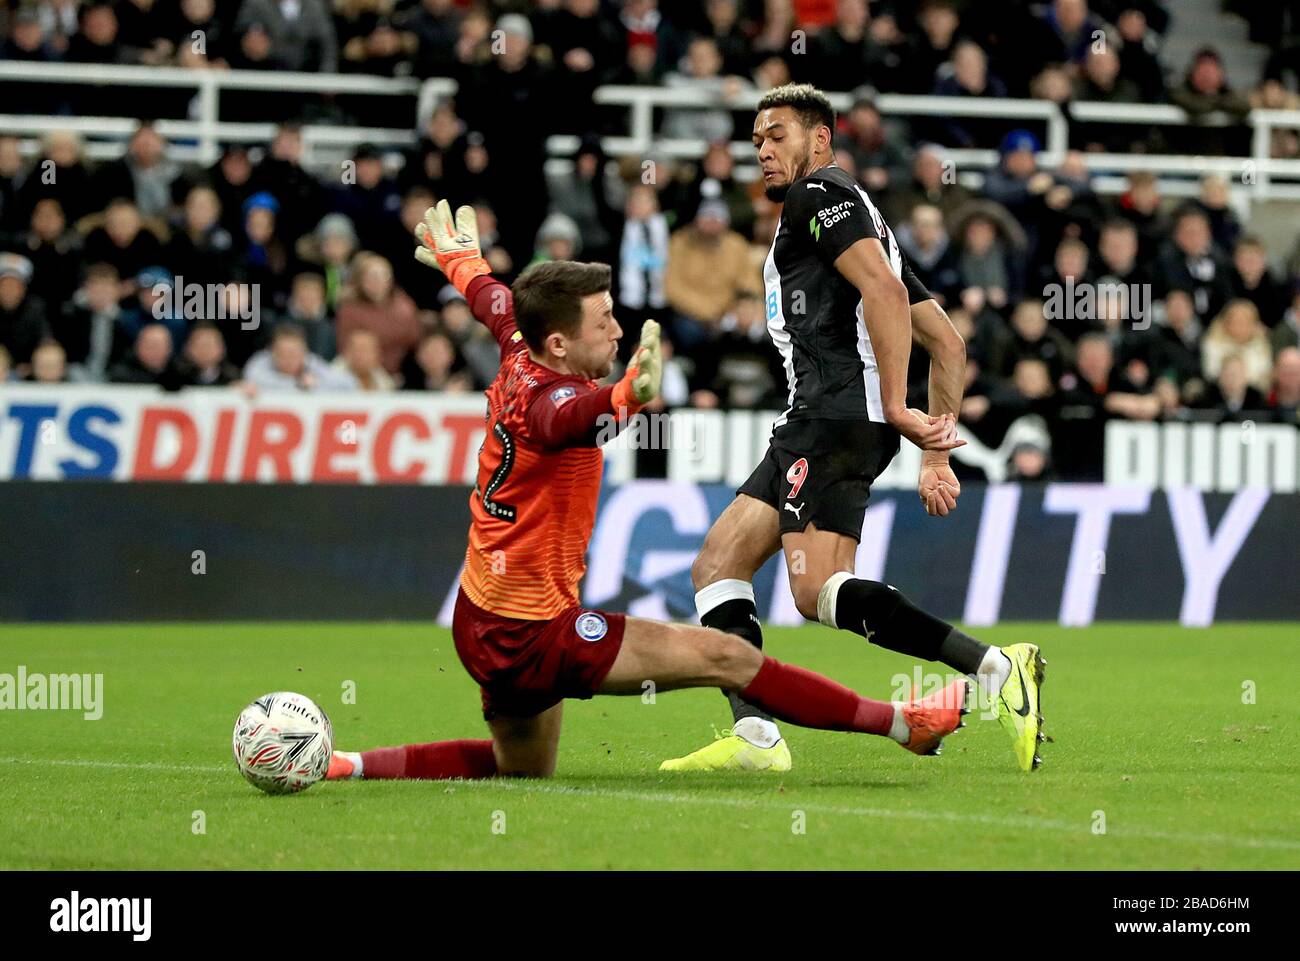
[[664, 797]]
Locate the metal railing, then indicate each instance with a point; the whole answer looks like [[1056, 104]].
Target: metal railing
[[1254, 176], [199, 139]]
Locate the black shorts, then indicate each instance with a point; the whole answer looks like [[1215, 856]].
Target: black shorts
[[820, 472]]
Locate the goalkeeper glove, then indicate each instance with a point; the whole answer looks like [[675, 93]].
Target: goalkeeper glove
[[451, 246], [640, 384]]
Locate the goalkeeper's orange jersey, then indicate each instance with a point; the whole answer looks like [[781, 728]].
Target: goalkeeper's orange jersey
[[539, 471]]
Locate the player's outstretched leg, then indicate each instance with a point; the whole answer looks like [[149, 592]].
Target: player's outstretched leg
[[737, 545], [520, 747], [680, 655], [1011, 677], [425, 762]]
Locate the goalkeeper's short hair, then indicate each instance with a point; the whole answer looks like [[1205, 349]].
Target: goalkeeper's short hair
[[548, 298]]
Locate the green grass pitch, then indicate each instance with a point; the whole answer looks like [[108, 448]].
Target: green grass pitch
[[1151, 734]]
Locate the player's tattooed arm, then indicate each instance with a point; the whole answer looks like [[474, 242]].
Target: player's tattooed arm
[[937, 485], [888, 319]]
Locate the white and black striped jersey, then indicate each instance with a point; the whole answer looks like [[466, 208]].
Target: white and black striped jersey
[[814, 315]]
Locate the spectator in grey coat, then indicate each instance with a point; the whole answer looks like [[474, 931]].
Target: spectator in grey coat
[[301, 31]]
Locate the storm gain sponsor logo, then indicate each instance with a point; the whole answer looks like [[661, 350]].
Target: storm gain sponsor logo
[[829, 216]]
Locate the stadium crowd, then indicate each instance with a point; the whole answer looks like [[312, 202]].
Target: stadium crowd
[[101, 264]]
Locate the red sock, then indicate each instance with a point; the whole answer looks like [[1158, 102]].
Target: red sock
[[805, 698], [430, 762]]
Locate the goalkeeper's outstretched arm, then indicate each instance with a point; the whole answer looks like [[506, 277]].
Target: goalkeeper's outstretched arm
[[452, 246]]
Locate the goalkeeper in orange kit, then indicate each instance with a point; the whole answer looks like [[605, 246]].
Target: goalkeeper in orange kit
[[519, 627]]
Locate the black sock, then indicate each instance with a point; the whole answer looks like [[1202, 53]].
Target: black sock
[[738, 616], [883, 616]]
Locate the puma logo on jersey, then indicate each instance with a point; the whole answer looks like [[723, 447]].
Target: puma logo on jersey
[[816, 185], [794, 510]]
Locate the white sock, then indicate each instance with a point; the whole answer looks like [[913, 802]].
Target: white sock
[[899, 730], [993, 671], [355, 758], [758, 731]]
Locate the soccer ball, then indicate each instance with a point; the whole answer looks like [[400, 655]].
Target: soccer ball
[[283, 743]]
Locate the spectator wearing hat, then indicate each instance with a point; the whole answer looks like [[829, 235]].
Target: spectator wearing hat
[[90, 328], [331, 248], [1017, 183], [557, 239], [287, 364], [265, 258], [150, 361], [300, 32], [281, 173], [155, 302], [23, 321], [708, 265], [373, 302], [647, 29]]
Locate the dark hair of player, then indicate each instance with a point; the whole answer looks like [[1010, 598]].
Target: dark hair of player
[[548, 298], [811, 105]]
